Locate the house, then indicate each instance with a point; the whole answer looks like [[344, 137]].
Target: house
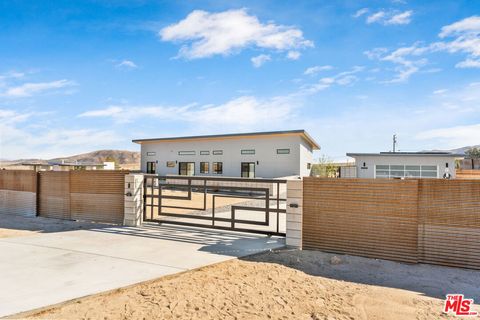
[[248, 155], [405, 164], [64, 166]]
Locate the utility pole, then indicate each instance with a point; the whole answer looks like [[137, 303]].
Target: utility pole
[[394, 143]]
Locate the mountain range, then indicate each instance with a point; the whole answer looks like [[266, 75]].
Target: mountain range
[[126, 159]]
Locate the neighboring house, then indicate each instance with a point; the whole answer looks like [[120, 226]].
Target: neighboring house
[[64, 166], [248, 155], [405, 164]]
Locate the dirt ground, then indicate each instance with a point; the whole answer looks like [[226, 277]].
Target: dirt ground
[[283, 285]]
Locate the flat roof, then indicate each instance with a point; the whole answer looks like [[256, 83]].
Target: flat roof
[[302, 133], [409, 154]]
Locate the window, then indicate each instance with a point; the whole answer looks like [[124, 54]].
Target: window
[[407, 171], [217, 152], [151, 167], [186, 168], [204, 167], [248, 151], [170, 164], [217, 167], [283, 151], [204, 153], [186, 153], [151, 154], [309, 166], [248, 170]]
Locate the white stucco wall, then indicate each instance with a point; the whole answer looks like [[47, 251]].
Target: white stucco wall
[[370, 161], [270, 164], [306, 157]]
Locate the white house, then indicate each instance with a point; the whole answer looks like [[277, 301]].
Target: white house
[[405, 164], [258, 154]]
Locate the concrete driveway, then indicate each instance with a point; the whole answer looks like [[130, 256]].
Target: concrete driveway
[[48, 268]]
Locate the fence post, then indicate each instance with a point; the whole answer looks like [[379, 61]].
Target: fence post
[[294, 213], [133, 214]]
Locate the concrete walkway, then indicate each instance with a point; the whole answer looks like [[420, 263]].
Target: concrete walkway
[[49, 268]]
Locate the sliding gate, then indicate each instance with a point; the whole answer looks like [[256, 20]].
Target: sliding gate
[[247, 205]]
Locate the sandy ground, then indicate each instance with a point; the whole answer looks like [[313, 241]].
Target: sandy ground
[[283, 285], [19, 226]]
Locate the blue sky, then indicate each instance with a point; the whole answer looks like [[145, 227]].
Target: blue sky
[[77, 77]]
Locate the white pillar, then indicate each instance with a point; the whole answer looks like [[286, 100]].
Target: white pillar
[[294, 213], [133, 216]]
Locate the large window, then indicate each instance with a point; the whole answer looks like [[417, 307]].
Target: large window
[[217, 167], [151, 167], [405, 171], [248, 170], [186, 168], [204, 167]]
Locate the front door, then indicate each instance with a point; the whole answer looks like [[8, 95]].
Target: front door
[[151, 167], [186, 168], [248, 169]]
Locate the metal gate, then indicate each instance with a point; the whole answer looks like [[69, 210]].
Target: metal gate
[[240, 204]]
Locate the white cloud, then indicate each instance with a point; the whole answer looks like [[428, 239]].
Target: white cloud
[[466, 39], [20, 139], [316, 69], [401, 18], [208, 34], [341, 79], [259, 60], [453, 136], [293, 55], [376, 17], [360, 12], [29, 89], [391, 17], [241, 112], [468, 63], [465, 26], [440, 91], [126, 64]]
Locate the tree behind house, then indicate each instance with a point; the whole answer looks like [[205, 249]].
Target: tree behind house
[[473, 153]]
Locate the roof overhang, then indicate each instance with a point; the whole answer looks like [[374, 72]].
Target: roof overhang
[[406, 154], [302, 133]]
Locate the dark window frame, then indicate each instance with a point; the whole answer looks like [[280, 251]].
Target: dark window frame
[[151, 167], [242, 172], [180, 168], [202, 169], [215, 170]]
